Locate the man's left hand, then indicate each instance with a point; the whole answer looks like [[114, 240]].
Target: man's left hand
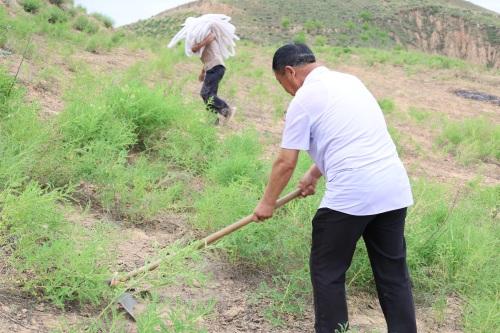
[[263, 211]]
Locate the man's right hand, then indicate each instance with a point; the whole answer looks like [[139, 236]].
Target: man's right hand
[[201, 77], [308, 184]]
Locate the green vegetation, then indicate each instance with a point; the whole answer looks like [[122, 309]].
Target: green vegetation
[[132, 149], [182, 317], [106, 20], [31, 6], [359, 23], [58, 2], [84, 24], [300, 38], [56, 15], [43, 249], [475, 139], [285, 22], [387, 105], [418, 114]]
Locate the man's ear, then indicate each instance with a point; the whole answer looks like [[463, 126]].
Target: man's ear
[[289, 70]]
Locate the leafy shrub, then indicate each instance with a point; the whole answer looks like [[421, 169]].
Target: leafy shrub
[[56, 15], [83, 24], [31, 6], [105, 20], [58, 3]]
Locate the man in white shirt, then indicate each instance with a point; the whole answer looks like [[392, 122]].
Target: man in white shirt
[[339, 123], [211, 74]]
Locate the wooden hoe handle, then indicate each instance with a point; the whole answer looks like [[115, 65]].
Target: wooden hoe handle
[[207, 240]]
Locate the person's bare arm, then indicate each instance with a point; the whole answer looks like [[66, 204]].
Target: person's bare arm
[[201, 77], [207, 40], [308, 182], [281, 173]]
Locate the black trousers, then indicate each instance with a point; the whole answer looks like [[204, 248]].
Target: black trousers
[[210, 88], [334, 239]]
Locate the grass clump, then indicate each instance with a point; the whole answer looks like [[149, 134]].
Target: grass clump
[[418, 114], [471, 140], [176, 317], [387, 105], [42, 247], [237, 158]]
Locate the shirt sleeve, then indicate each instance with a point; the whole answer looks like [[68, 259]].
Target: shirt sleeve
[[296, 134]]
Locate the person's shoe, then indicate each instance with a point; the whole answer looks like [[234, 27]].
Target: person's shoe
[[217, 121], [229, 114]]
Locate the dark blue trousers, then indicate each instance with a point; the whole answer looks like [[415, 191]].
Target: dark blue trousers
[[210, 88]]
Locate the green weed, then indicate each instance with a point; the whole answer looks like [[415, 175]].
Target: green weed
[[471, 140], [387, 105], [174, 316], [237, 158], [300, 38], [43, 248], [419, 115]]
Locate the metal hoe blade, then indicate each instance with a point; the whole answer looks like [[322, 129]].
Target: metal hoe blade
[[128, 303]]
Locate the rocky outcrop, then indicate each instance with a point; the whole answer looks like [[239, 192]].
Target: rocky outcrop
[[435, 31]]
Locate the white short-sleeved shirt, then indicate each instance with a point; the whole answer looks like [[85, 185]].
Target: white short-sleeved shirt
[[339, 123]]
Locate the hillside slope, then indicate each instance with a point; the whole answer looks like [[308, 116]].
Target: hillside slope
[[450, 27]]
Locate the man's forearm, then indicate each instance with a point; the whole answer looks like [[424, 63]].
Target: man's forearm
[[315, 172], [280, 176], [203, 43]]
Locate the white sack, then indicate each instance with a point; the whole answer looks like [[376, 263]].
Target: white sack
[[196, 29]]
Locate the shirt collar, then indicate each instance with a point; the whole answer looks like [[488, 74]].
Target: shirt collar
[[315, 74]]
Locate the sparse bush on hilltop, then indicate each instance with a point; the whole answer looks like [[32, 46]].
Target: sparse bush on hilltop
[[84, 24], [57, 2], [56, 15], [31, 6], [105, 20]]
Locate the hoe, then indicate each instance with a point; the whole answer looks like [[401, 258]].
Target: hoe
[[127, 300]]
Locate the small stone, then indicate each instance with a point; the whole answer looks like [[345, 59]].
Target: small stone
[[233, 312]]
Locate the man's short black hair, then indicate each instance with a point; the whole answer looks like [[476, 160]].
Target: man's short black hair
[[292, 55]]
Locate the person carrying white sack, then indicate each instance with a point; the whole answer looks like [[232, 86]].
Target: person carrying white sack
[[212, 38]]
